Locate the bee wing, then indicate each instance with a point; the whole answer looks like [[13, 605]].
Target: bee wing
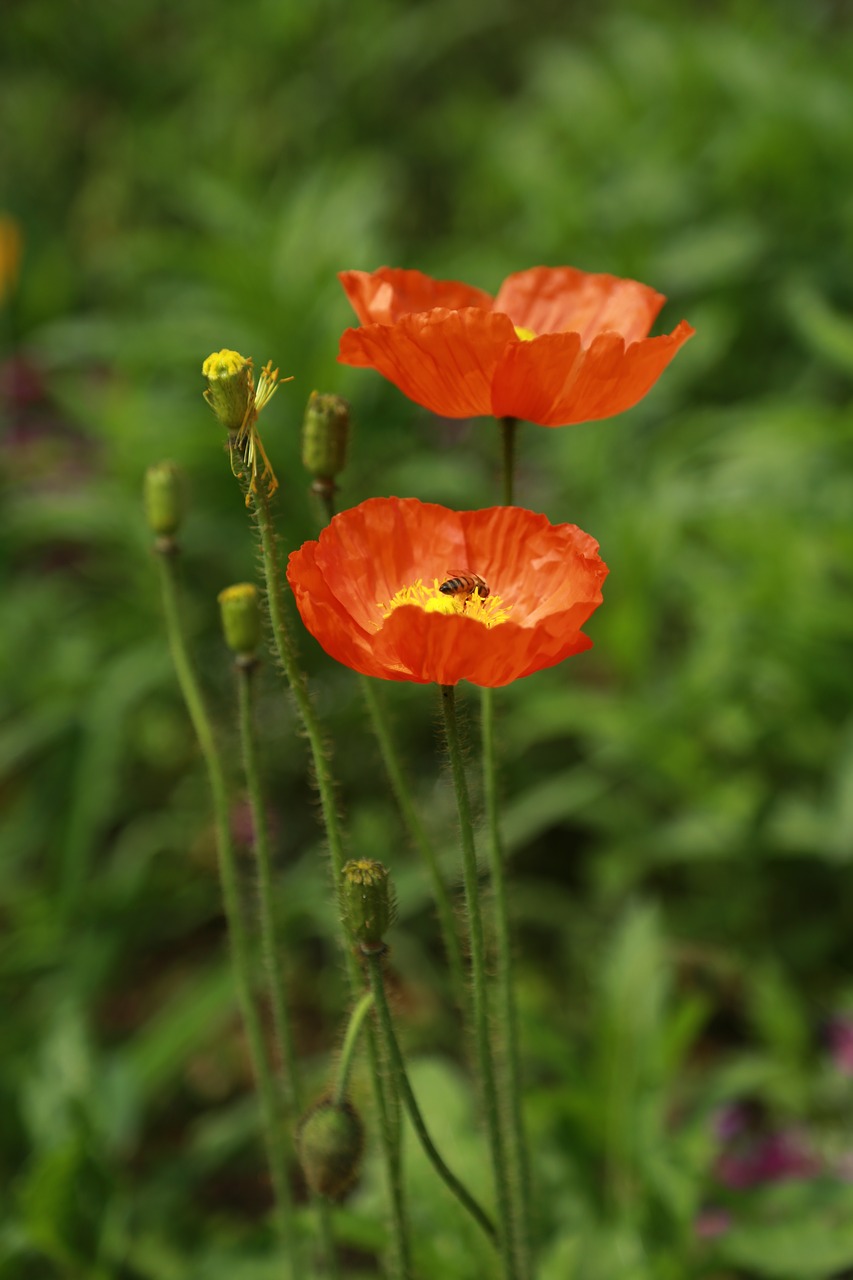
[[457, 573]]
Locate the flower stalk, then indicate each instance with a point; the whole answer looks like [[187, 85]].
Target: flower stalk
[[509, 1076], [419, 838], [506, 1224], [509, 431], [404, 1088], [271, 952], [276, 984], [238, 935], [347, 1055]]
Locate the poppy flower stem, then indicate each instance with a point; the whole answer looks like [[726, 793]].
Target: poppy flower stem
[[509, 1078], [291, 1099], [238, 934], [261, 843], [404, 1088], [418, 836], [479, 978], [386, 1104], [508, 436]]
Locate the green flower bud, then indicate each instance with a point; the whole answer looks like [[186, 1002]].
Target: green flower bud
[[240, 610], [367, 902], [164, 499], [230, 387], [325, 435], [330, 1140]]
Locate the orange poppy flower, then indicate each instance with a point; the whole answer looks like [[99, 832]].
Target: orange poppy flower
[[556, 345], [408, 590]]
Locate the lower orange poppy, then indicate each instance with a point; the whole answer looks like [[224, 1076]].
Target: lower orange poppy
[[408, 590], [555, 346]]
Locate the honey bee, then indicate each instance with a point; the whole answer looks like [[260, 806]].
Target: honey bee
[[462, 586]]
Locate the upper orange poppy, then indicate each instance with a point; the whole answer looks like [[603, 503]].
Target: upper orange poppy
[[556, 345], [369, 590]]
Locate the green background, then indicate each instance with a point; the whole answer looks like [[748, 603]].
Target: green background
[[678, 802]]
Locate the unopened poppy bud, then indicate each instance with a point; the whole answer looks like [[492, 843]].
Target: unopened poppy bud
[[230, 387], [325, 435], [164, 498], [330, 1140], [367, 902], [240, 610]]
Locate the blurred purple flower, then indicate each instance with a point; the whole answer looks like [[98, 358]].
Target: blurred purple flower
[[749, 1159], [711, 1222], [839, 1035]]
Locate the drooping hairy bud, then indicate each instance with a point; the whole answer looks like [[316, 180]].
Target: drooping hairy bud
[[240, 611], [368, 905], [230, 387], [163, 497], [330, 1140], [325, 435]]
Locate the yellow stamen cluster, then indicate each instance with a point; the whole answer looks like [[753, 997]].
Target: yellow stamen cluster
[[491, 612], [526, 335]]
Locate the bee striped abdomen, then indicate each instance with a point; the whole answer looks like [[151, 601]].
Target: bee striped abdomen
[[463, 585]]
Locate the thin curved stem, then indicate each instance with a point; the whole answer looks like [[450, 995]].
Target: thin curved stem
[[418, 836], [479, 978], [321, 760], [345, 1061], [509, 1080], [391, 1140], [404, 1088], [241, 956], [276, 983]]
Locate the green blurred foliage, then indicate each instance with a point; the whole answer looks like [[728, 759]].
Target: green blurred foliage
[[678, 802]]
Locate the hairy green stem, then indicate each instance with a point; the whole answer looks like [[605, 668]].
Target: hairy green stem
[[276, 982], [272, 956], [241, 952], [508, 437], [418, 836], [404, 1088], [509, 1079], [392, 1142], [399, 1267], [479, 978], [356, 1022]]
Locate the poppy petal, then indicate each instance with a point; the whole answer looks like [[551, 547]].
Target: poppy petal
[[443, 360], [386, 295], [328, 621], [435, 649], [563, 299], [551, 382]]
